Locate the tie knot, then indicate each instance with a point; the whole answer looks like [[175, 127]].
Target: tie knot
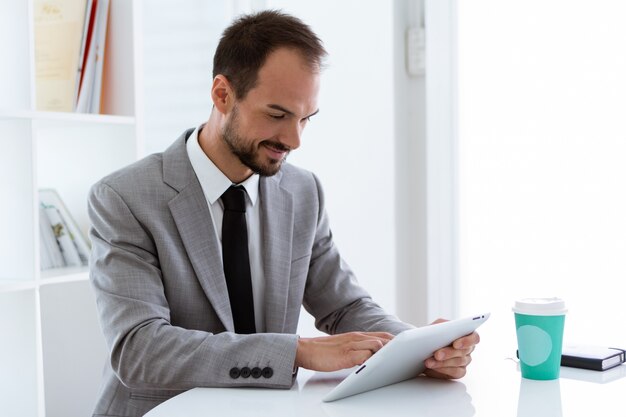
[[234, 199]]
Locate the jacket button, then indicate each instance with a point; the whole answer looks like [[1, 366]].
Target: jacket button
[[267, 372], [256, 372], [234, 373], [245, 372]]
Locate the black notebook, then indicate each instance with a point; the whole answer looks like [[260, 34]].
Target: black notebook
[[592, 357]]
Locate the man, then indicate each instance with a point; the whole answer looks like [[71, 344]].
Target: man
[[200, 283]]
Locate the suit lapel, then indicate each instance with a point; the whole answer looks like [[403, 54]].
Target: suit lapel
[[277, 219], [193, 220]]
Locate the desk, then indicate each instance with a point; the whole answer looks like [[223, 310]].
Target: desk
[[493, 387]]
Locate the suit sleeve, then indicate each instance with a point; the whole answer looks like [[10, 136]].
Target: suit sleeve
[[146, 351], [332, 294]]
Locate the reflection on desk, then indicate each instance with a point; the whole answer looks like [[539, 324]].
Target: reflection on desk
[[597, 377], [493, 387], [417, 397], [543, 398], [539, 399]]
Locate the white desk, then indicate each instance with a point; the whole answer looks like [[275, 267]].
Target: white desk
[[493, 387]]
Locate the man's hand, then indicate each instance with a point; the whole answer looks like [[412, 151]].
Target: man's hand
[[331, 353], [450, 362]]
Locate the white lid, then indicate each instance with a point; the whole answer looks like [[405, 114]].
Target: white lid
[[540, 306]]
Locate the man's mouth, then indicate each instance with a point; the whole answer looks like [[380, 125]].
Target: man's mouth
[[276, 151]]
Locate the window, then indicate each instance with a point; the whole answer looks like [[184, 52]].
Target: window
[[542, 159]]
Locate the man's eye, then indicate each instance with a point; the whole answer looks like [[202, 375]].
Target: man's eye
[[277, 116]]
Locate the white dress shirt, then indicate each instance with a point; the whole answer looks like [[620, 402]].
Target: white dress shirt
[[214, 183]]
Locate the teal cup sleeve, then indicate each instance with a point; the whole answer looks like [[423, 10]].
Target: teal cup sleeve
[[539, 342]]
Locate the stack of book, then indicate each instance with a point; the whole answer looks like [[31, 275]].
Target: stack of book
[[62, 243], [70, 38]]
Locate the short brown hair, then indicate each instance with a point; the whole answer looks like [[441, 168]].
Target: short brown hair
[[247, 42]]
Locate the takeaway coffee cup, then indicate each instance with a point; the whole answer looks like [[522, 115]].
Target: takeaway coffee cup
[[539, 323]]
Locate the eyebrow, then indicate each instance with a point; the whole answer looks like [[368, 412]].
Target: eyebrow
[[284, 110]]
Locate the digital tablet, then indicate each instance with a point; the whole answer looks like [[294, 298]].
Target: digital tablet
[[403, 357]]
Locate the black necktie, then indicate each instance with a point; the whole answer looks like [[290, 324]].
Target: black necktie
[[236, 259]]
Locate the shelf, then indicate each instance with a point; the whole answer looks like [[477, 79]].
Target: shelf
[[58, 118], [61, 275], [7, 286], [48, 277]]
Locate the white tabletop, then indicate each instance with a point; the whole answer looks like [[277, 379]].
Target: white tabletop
[[493, 387]]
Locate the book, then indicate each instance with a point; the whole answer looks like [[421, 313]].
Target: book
[[100, 45], [73, 246], [58, 27], [90, 12], [89, 96], [592, 357], [50, 253], [62, 236], [45, 256]]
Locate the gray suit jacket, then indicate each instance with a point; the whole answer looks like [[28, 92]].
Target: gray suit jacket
[[157, 273]]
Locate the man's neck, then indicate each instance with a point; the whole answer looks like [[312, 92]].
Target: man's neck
[[219, 153]]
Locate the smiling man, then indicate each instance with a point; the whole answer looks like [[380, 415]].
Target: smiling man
[[204, 254]]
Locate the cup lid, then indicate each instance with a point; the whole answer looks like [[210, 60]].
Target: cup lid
[[553, 306]]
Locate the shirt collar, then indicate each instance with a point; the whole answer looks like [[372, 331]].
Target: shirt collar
[[213, 181]]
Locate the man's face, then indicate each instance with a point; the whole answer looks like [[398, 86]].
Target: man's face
[[248, 150], [267, 124]]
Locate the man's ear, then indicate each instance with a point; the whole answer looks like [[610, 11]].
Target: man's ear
[[222, 94]]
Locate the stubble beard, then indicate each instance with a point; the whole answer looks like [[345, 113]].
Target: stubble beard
[[248, 152]]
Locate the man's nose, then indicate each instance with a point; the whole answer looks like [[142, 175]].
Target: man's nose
[[291, 135]]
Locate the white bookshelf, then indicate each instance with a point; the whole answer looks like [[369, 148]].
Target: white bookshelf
[[52, 353]]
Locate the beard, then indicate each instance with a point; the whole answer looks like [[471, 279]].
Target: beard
[[248, 151]]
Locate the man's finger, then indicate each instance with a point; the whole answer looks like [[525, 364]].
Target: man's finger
[[373, 345], [466, 341], [357, 357], [381, 335], [461, 361], [450, 352], [446, 373]]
